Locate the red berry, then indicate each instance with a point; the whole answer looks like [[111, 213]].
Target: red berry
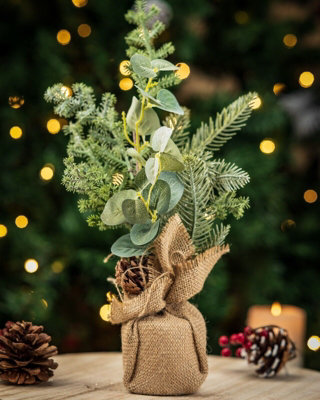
[[240, 338], [239, 352], [234, 338], [247, 330], [226, 352], [264, 333], [223, 341], [248, 345]]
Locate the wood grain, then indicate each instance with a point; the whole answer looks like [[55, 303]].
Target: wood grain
[[97, 376]]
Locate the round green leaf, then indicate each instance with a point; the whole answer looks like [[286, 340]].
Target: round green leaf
[[150, 122], [112, 213], [160, 138], [124, 247], [135, 211], [163, 65], [152, 169], [169, 102], [160, 196], [176, 187], [144, 233], [142, 66]]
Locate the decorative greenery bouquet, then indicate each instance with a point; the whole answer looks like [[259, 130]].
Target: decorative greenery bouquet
[[163, 184]]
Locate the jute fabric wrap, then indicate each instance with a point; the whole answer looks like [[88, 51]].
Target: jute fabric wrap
[[163, 335]]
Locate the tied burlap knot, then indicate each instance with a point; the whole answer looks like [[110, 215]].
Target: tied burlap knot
[[163, 335]]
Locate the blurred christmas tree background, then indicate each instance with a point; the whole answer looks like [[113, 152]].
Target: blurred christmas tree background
[[52, 269]]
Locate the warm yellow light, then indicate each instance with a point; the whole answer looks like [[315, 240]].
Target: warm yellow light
[[278, 88], [105, 312], [290, 40], [184, 70], [16, 132], [47, 172], [3, 230], [306, 79], [21, 221], [276, 309], [123, 68], [44, 303], [256, 103], [63, 37], [287, 224], [267, 146], [53, 126], [66, 91], [16, 101], [310, 196], [57, 267], [314, 343], [31, 265], [84, 30], [126, 84], [80, 3], [241, 17]]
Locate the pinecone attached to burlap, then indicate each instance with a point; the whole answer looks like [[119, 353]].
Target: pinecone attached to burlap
[[25, 354], [270, 349], [132, 274]]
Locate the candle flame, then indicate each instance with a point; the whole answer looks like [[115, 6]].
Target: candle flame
[[276, 309]]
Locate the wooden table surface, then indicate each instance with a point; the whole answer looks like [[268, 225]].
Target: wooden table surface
[[97, 376]]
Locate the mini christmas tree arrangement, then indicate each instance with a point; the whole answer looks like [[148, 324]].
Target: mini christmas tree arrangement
[[168, 188]]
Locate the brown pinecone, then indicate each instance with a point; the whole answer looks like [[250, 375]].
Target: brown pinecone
[[25, 354], [131, 276], [271, 348]]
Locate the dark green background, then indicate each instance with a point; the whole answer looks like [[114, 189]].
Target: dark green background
[[226, 59]]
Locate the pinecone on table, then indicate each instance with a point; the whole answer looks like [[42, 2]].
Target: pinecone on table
[[25, 354], [132, 274], [270, 349]]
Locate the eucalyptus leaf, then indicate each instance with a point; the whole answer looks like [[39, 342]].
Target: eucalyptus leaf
[[141, 180], [169, 102], [142, 66], [112, 213], [160, 138], [135, 211], [173, 150], [163, 65], [160, 196], [170, 163], [150, 122], [124, 247], [176, 187], [152, 99], [141, 234], [134, 154], [152, 169]]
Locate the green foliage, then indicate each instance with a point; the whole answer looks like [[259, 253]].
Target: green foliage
[[227, 123], [180, 125], [227, 176]]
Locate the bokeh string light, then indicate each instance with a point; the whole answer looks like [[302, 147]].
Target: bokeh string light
[[31, 265], [314, 343], [53, 126], [80, 3], [287, 224], [15, 132], [21, 221], [267, 146], [183, 72], [241, 17], [290, 40], [276, 309], [84, 30], [57, 267], [126, 84], [3, 231], [16, 101], [123, 68], [105, 312], [66, 91], [306, 79], [256, 103], [47, 172], [64, 37], [278, 88], [310, 196]]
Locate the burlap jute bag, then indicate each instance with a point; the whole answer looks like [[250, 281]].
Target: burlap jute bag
[[163, 335]]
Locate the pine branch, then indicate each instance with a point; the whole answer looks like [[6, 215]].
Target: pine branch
[[228, 203], [227, 176], [227, 123], [220, 232]]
